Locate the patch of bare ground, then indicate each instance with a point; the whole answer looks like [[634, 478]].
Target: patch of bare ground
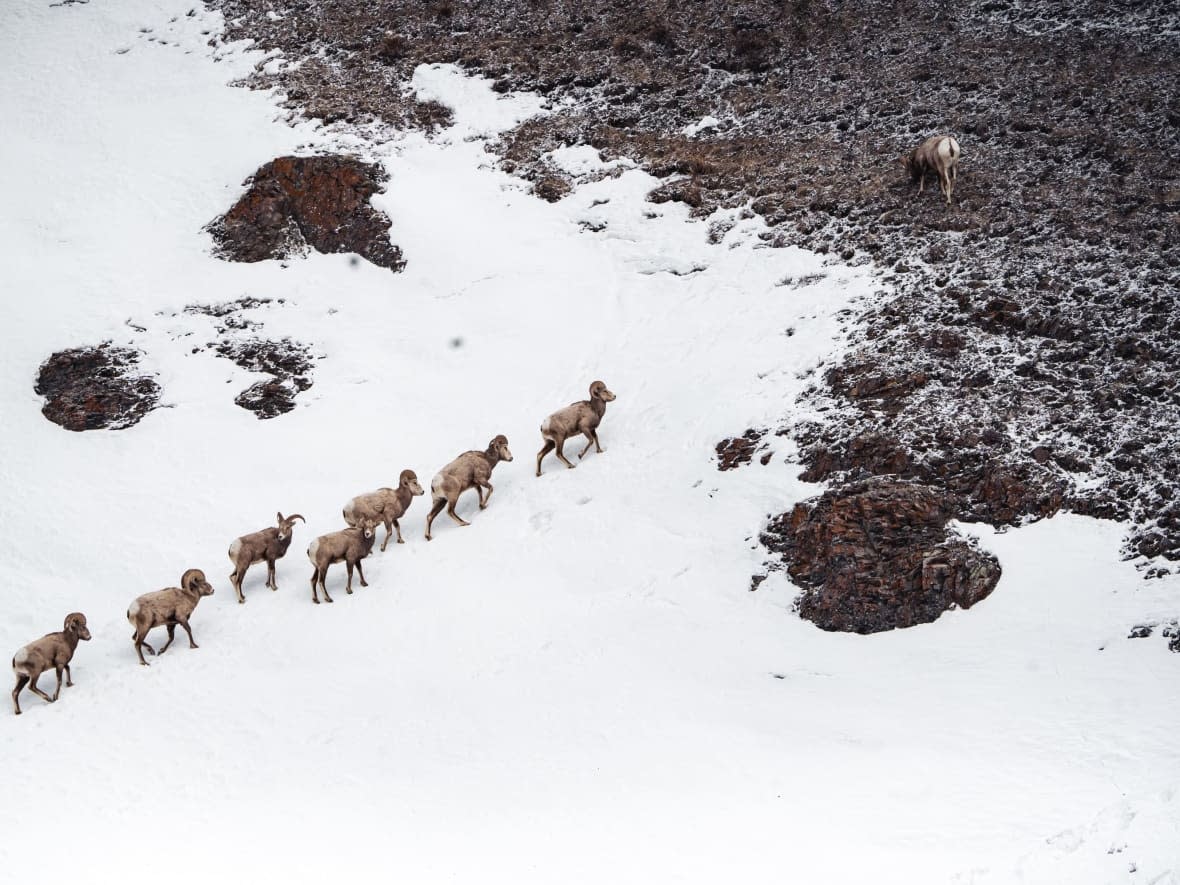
[[96, 388], [1021, 356], [295, 204]]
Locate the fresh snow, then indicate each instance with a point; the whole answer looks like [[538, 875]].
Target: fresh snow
[[580, 686]]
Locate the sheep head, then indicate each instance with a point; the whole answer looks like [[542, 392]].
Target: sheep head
[[499, 446], [194, 581], [598, 391], [76, 623], [409, 480], [287, 523]]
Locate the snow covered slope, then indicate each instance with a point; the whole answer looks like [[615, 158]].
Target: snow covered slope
[[578, 687]]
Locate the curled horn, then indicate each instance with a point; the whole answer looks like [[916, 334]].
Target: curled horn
[[295, 516]]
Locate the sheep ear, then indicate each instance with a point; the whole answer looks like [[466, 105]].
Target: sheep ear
[[280, 515]]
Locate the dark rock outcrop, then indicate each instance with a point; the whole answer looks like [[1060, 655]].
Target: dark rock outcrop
[[293, 204], [288, 362], [738, 450], [92, 388], [875, 555]]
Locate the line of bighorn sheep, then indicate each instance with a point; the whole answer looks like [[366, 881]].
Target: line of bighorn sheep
[[938, 154], [175, 605]]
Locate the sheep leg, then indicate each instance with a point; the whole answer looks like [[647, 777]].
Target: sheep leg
[[188, 630], [455, 516], [348, 586], [57, 691], [545, 450], [591, 440], [388, 532], [21, 681], [483, 499], [237, 585], [270, 575], [360, 571], [561, 454], [171, 625], [69, 677], [140, 645], [439, 504], [921, 183], [399, 532], [33, 688]]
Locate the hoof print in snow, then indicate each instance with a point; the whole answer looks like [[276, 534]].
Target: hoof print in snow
[[295, 204], [94, 388], [738, 450], [876, 555], [288, 362]]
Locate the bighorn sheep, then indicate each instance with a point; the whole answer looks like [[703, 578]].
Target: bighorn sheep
[[53, 650], [349, 546], [385, 506], [167, 608], [470, 470], [269, 544], [580, 417], [938, 154]]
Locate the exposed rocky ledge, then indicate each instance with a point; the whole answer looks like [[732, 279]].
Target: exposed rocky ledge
[[95, 388], [876, 555], [295, 204]]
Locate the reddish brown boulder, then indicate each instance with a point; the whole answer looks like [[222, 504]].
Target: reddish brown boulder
[[92, 388], [738, 450], [875, 555], [293, 204]]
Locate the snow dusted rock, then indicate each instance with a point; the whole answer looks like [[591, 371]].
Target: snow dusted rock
[[294, 204], [876, 554], [289, 362], [738, 450], [91, 388]]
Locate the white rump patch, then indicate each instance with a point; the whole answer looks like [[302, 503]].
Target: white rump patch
[[312, 549], [20, 659], [234, 548]]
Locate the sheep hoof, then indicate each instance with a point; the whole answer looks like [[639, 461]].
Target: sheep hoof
[[400, 541], [316, 601], [328, 600], [242, 601]]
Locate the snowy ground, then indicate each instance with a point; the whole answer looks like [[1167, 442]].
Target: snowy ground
[[579, 687]]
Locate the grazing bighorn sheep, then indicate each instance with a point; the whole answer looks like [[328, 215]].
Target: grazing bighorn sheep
[[53, 650], [580, 417], [269, 544], [349, 546], [385, 506], [470, 470], [167, 608], [938, 154]]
